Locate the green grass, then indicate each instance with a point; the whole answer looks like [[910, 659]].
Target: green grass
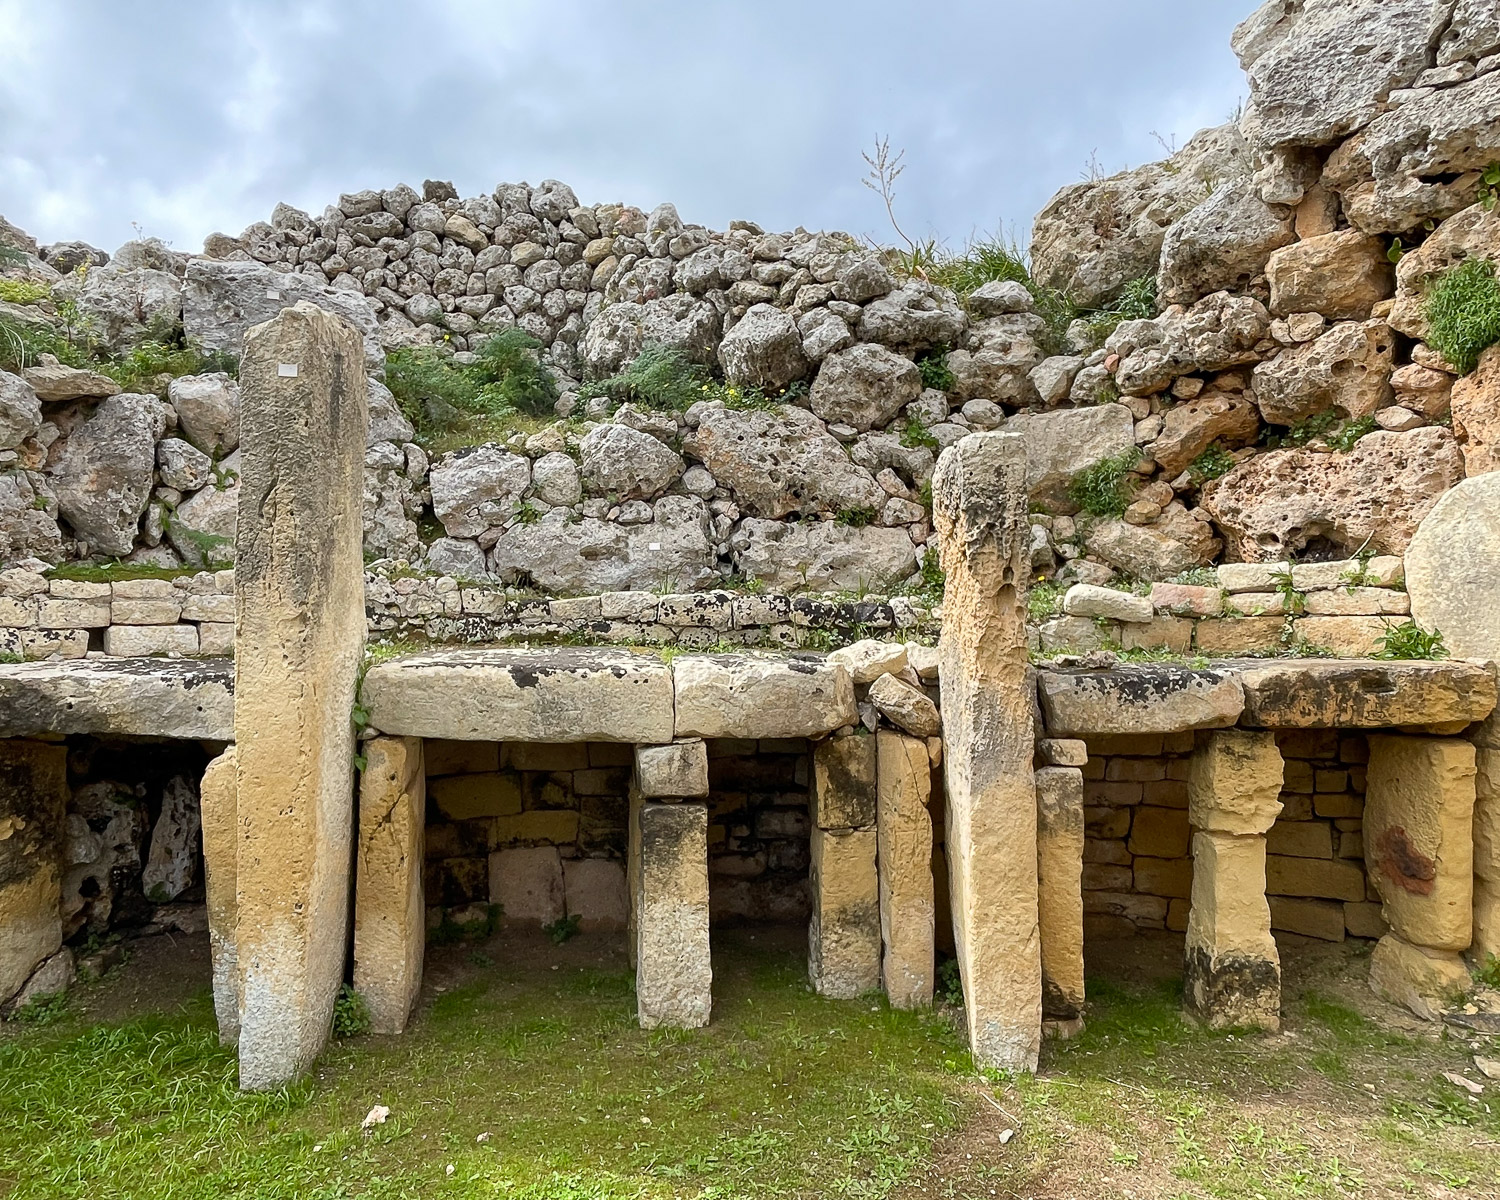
[[115, 571], [1043, 601], [1463, 313], [476, 400], [659, 377], [986, 260], [1106, 488], [1136, 302]]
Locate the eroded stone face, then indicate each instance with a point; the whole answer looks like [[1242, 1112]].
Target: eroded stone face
[[1059, 807], [904, 852], [1422, 979], [677, 770], [1453, 568], [1146, 699], [1364, 694], [33, 795], [673, 970], [744, 695], [216, 795], [1233, 972], [843, 783], [157, 698], [844, 934], [1234, 784]]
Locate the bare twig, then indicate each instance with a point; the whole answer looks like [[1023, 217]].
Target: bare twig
[[884, 171]]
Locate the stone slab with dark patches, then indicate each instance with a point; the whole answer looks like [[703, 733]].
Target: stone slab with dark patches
[[1159, 698], [566, 694], [137, 697], [1363, 693], [761, 696]]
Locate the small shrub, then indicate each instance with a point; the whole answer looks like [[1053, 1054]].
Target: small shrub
[[1136, 302], [1343, 441], [1303, 432], [1410, 640], [1106, 488], [528, 513], [1489, 974], [511, 376], [1196, 577], [659, 377], [856, 518], [140, 368], [935, 373], [916, 434], [351, 1017], [44, 1010], [934, 579], [22, 291], [950, 986], [1463, 313], [989, 259], [1211, 464], [439, 395], [1043, 601], [563, 929]]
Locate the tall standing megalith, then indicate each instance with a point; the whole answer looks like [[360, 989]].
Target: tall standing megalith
[[299, 605], [979, 510]]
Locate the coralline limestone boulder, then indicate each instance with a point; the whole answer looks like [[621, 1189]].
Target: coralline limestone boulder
[[1218, 332], [1175, 542], [1062, 443], [998, 358], [20, 412], [1476, 414], [103, 474], [1472, 233], [1228, 418], [1341, 275], [750, 695], [477, 488], [822, 555], [1095, 237], [864, 386], [780, 462], [764, 349], [28, 518], [634, 465], [916, 316], [1222, 244], [53, 382], [208, 411], [172, 860], [621, 331], [202, 529], [1348, 368], [1274, 505], [1453, 568], [125, 305]]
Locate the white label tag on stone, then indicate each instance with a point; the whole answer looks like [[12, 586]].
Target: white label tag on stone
[[273, 295], [286, 370], [656, 545]]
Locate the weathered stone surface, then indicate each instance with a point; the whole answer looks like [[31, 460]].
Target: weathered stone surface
[[1453, 568], [218, 820], [52, 978], [1089, 600], [208, 411], [673, 970], [299, 592], [916, 316], [1475, 402], [1418, 834], [822, 556], [997, 360], [595, 892], [561, 695], [843, 958], [182, 465], [843, 793], [1228, 418], [905, 707], [1233, 972], [136, 698], [527, 883], [1327, 694], [1234, 783], [204, 527], [124, 305], [627, 462], [479, 487], [1340, 275], [1472, 233], [20, 412], [52, 381], [1348, 368], [103, 474], [864, 386], [620, 331], [33, 797], [1059, 847], [1217, 332], [389, 907], [1275, 504], [172, 861], [1422, 979], [676, 770], [780, 462], [764, 349], [980, 513], [1158, 698], [760, 696], [904, 852], [868, 659], [1222, 244], [1062, 443]]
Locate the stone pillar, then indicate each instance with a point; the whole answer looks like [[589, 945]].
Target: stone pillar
[[33, 801], [217, 812], [1419, 834], [1232, 970], [843, 936], [1486, 843], [903, 830], [1059, 874], [669, 904], [389, 907], [300, 628], [980, 513]]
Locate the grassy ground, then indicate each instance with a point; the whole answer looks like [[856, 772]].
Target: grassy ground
[[525, 1077]]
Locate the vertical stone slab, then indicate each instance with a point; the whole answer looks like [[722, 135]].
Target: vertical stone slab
[[903, 834], [1059, 874], [1486, 843], [300, 628], [33, 799], [843, 782], [673, 969], [1232, 970], [389, 913], [980, 513], [843, 937], [217, 814]]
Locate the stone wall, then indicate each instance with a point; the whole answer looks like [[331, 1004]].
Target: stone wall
[[1138, 867]]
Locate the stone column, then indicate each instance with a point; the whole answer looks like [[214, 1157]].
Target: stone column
[[673, 968], [1059, 873], [1419, 833], [33, 800], [979, 511], [390, 929], [1232, 970], [903, 830], [843, 936], [217, 812], [1486, 843], [300, 628]]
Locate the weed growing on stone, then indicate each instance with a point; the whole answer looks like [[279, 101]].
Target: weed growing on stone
[[1136, 302], [659, 377], [1488, 974], [1463, 313], [856, 518], [935, 373], [915, 434], [564, 929], [22, 291], [986, 260], [1211, 464], [1410, 640], [1106, 488], [147, 366], [1195, 577], [440, 395], [350, 1015], [1043, 601], [1351, 432]]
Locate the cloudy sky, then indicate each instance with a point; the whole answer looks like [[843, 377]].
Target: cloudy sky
[[181, 117]]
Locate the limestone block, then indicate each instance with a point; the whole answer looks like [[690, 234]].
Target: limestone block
[[217, 819], [1062, 752], [868, 659], [1453, 568], [594, 891], [844, 933], [1422, 979], [1486, 921], [1322, 919], [1362, 919], [299, 591], [527, 883], [1172, 877], [33, 797], [389, 908], [444, 757], [1328, 879], [761, 696], [216, 638], [1300, 839], [1233, 972], [1159, 698], [843, 782], [679, 769], [483, 794], [904, 852], [1238, 635], [905, 707], [1419, 837], [1345, 637], [988, 700], [566, 694], [1330, 694], [145, 611], [1059, 859], [139, 641], [673, 968], [1234, 782]]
